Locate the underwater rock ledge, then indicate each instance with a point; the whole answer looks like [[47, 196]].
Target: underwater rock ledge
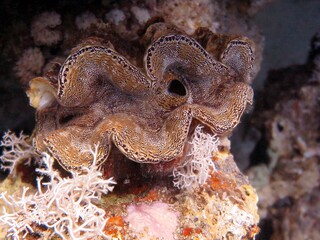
[[224, 207], [288, 115]]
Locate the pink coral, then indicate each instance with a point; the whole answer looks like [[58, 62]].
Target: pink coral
[[141, 14], [43, 29], [157, 219], [85, 20], [30, 64], [116, 16]]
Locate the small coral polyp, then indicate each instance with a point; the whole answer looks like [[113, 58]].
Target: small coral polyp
[[100, 98]]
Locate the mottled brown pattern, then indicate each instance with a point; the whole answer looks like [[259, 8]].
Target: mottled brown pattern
[[101, 98]]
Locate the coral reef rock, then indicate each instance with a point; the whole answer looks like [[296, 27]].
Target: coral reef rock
[[82, 206], [288, 184], [223, 207]]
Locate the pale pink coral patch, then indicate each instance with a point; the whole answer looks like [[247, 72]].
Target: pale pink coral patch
[[155, 219], [29, 64], [43, 29], [85, 20]]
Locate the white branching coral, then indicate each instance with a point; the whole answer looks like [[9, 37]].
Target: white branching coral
[[198, 164], [67, 205], [16, 149]]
